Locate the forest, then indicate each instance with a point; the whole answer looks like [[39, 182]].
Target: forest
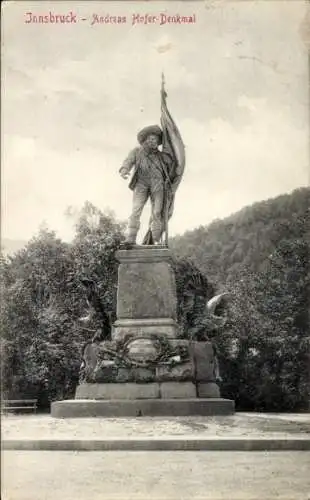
[[259, 256]]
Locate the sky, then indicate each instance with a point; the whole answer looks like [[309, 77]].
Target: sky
[[74, 97]]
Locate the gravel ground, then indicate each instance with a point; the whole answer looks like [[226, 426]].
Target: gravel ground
[[238, 425], [155, 475]]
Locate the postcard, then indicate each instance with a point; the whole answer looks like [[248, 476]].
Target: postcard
[[154, 250]]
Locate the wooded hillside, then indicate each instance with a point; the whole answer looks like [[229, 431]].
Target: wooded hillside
[[247, 238], [261, 256]]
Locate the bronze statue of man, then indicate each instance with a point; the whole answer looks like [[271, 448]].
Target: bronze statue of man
[[151, 180], [157, 174]]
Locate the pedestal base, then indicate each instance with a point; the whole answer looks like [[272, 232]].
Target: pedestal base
[[164, 390], [145, 369], [142, 408]]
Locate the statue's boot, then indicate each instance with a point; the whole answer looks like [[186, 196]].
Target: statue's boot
[[156, 235], [130, 240]]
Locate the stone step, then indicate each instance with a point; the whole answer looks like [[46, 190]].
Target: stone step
[[78, 408], [173, 443]]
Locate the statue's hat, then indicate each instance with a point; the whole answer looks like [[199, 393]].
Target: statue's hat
[[150, 130]]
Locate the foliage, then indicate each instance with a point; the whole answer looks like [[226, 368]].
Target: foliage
[[42, 300], [37, 332], [261, 257], [189, 281], [246, 238]]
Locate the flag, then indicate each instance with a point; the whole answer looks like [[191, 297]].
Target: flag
[[173, 143]]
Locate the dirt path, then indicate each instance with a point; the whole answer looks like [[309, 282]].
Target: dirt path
[[238, 425], [155, 475]]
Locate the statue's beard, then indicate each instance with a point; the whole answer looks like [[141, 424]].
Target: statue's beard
[[150, 147]]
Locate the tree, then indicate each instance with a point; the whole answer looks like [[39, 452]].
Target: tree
[[267, 363], [43, 300]]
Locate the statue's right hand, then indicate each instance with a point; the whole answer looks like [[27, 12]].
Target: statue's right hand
[[124, 173]]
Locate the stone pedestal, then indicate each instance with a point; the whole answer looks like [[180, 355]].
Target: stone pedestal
[[145, 369], [146, 293]]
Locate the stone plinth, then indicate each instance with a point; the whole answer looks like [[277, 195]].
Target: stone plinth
[[145, 369], [118, 391], [146, 294], [163, 390]]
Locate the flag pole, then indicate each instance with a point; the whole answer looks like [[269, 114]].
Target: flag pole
[[166, 208]]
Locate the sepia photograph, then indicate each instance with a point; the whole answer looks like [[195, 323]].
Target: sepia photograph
[[155, 250]]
